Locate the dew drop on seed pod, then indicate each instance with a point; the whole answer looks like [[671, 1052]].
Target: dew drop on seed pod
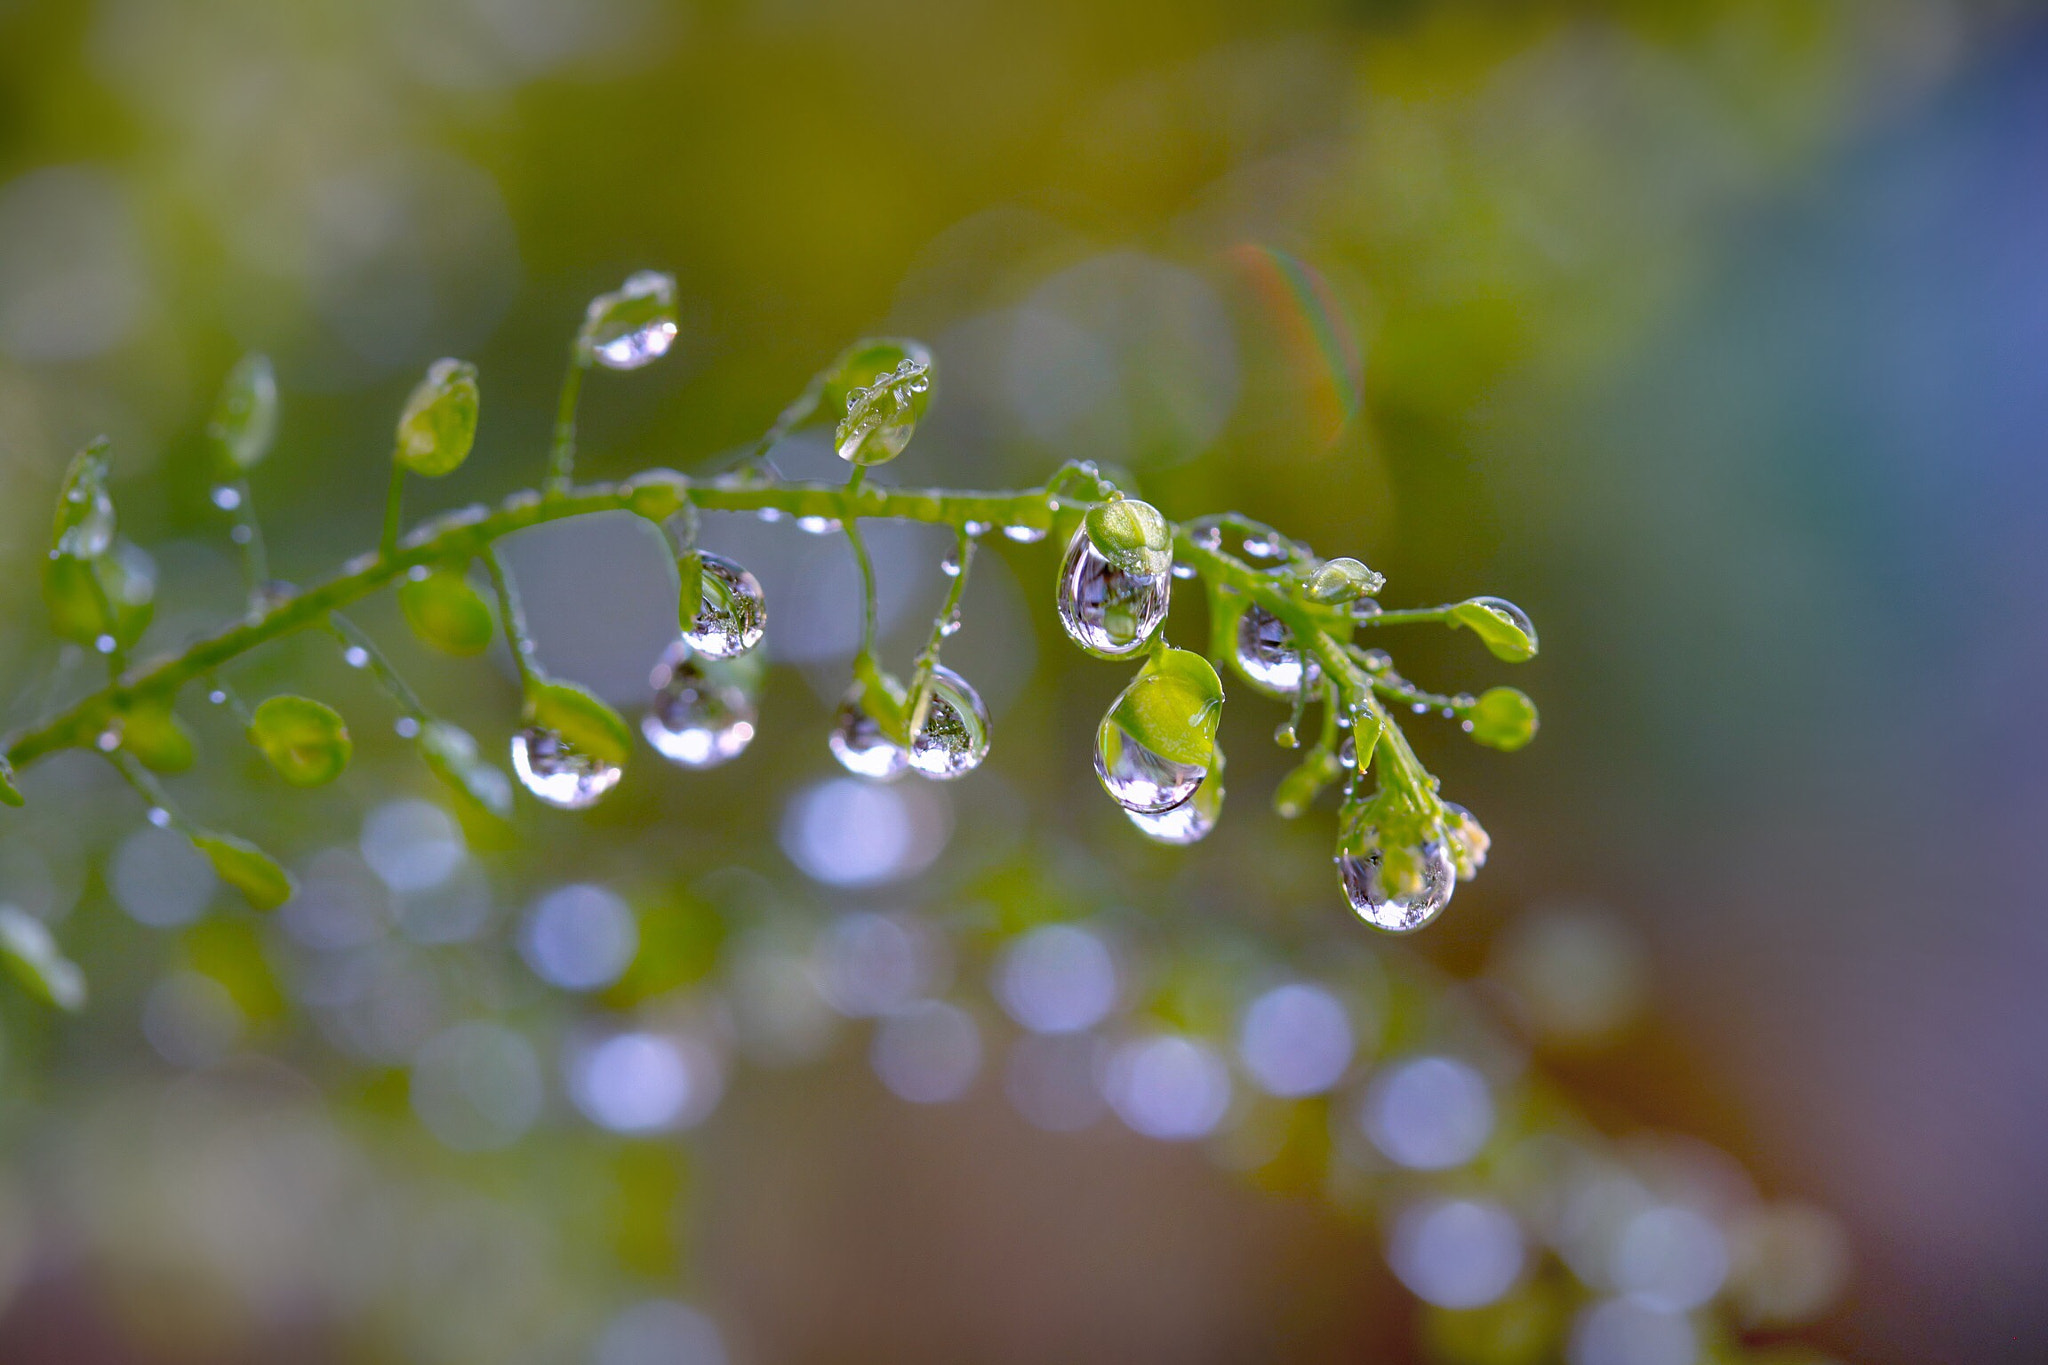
[[1364, 609], [731, 613], [695, 719], [1138, 779], [1378, 660], [1109, 613], [860, 746], [1398, 914], [1500, 606], [1267, 654], [954, 737], [635, 325], [557, 772], [1024, 535]]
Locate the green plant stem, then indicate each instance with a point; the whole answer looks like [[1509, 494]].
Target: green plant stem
[[394, 510], [921, 677], [117, 658], [860, 557], [1396, 688], [1406, 616], [255, 559], [149, 789], [513, 614], [240, 708], [352, 637], [562, 454]]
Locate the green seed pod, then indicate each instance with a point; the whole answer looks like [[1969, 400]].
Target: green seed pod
[[1501, 625], [32, 955], [451, 755], [1172, 707], [1503, 718], [10, 794], [84, 525], [633, 325], [305, 740], [580, 718], [1131, 535], [1343, 580], [882, 416], [864, 362], [445, 611], [245, 415], [247, 868], [438, 425], [80, 592], [152, 732]]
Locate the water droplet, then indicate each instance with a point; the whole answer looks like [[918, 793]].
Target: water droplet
[[1398, 914], [635, 325], [227, 497], [218, 696], [355, 656], [240, 535], [950, 627], [1500, 606], [817, 526], [1347, 752], [1464, 701], [1209, 537], [732, 613], [1183, 571], [696, 720], [418, 573], [1109, 613], [1286, 736], [1139, 779], [1378, 660], [1267, 655], [104, 644], [1025, 535], [1420, 708], [860, 746], [108, 740], [558, 773], [950, 565], [1187, 823], [159, 817], [976, 529], [954, 738], [771, 514], [1263, 547], [407, 727]]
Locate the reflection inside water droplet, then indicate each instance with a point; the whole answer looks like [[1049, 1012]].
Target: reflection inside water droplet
[[558, 773], [1399, 914], [1267, 655], [954, 738], [696, 719], [1109, 613], [732, 613], [857, 741], [1137, 778]]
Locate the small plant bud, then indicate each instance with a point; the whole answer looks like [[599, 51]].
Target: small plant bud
[[153, 733], [881, 418], [581, 719], [1342, 580], [85, 513], [247, 868], [1131, 535], [1502, 626], [446, 612], [438, 426], [244, 419], [305, 740], [1503, 718]]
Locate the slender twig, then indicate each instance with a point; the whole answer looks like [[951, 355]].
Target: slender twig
[[248, 534], [394, 511], [150, 790], [562, 454], [1405, 616], [860, 557], [352, 637], [513, 614], [921, 677]]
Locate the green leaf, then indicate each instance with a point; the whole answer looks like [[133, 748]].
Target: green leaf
[[152, 732], [1503, 718], [633, 325], [1172, 707], [450, 753], [247, 868], [581, 719], [1131, 535], [85, 513], [1343, 580], [882, 415], [245, 415], [438, 425], [32, 955], [79, 593], [10, 794], [305, 740], [1501, 625], [445, 611]]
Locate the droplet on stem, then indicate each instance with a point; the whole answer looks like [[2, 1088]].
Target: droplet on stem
[[954, 738], [557, 772], [1138, 779], [696, 719], [731, 613], [1105, 610], [1398, 914], [1268, 655], [857, 741], [1191, 820], [635, 324]]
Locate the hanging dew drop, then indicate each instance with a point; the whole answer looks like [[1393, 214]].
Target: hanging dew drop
[[1024, 535], [1266, 654], [159, 817], [1191, 820], [1364, 609], [226, 497], [634, 326], [696, 720], [558, 773], [857, 741], [1183, 571], [1106, 611], [1398, 914], [1378, 660], [1138, 779], [950, 626], [817, 526], [950, 565], [355, 656], [407, 727], [731, 614], [954, 738]]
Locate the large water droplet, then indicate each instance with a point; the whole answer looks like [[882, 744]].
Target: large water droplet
[[1268, 656], [1188, 822], [1515, 616], [731, 614], [954, 737], [1398, 914], [1024, 535], [1109, 613], [557, 772], [860, 746], [635, 325], [696, 719], [1139, 779]]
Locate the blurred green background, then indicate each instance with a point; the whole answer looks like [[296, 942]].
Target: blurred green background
[[1709, 332]]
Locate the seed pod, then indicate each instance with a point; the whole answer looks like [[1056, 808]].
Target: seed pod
[[305, 740], [247, 868], [1503, 718], [245, 415], [446, 612], [438, 425]]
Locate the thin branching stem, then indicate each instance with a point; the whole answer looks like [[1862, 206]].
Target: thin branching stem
[[921, 678], [562, 454], [513, 614], [1406, 616], [400, 691], [860, 558], [249, 535], [394, 512]]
